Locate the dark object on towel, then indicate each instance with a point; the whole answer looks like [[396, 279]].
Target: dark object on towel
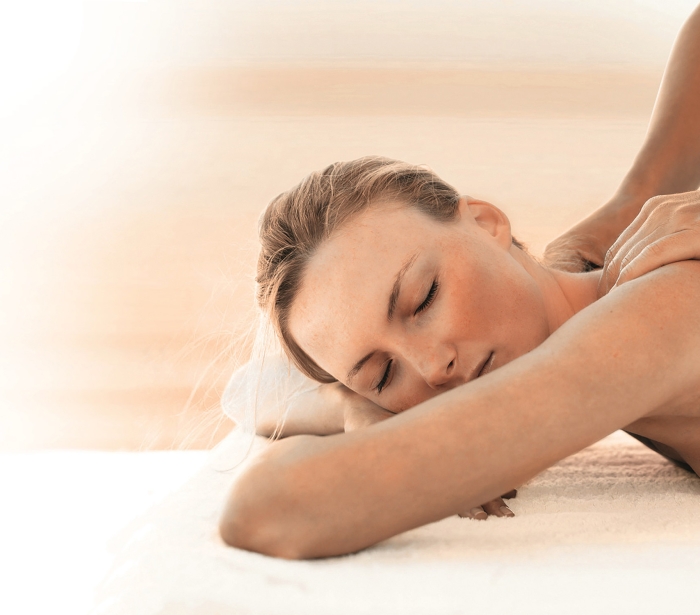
[[662, 449]]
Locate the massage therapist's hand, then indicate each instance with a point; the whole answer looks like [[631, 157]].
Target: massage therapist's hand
[[667, 230], [361, 412]]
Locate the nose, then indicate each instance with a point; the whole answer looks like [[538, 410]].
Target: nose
[[437, 367]]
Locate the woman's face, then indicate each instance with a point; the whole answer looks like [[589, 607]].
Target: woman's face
[[400, 307]]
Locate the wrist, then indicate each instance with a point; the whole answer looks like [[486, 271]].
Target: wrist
[[624, 206], [637, 188]]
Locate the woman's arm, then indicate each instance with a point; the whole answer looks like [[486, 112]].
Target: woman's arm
[[668, 162], [333, 408], [632, 354]]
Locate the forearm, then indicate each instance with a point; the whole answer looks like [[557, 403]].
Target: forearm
[[669, 160], [601, 371], [667, 163]]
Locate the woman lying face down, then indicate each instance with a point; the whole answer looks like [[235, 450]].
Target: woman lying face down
[[379, 275], [402, 291]]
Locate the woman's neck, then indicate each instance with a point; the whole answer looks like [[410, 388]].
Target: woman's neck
[[564, 293]]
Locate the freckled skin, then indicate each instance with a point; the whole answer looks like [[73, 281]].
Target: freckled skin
[[487, 301]]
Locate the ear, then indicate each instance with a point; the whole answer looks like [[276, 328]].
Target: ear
[[489, 218]]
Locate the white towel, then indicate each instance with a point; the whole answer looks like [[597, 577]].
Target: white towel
[[613, 529]]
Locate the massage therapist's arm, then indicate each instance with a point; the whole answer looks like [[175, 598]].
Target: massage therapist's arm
[[668, 162], [618, 360]]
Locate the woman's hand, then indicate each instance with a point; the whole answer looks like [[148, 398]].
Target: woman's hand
[[667, 230], [361, 412]]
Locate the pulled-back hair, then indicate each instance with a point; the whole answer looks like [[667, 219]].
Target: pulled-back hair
[[299, 220]]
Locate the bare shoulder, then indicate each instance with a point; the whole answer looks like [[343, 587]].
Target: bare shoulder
[[669, 286], [669, 297], [656, 318], [661, 305], [662, 300]]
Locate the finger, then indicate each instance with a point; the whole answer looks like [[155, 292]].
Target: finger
[[498, 508], [632, 228], [626, 254], [510, 495], [475, 513], [680, 246], [621, 246], [613, 262]]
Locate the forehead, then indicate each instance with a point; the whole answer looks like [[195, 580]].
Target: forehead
[[342, 303]]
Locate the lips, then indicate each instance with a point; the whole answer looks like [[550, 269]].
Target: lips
[[486, 366]]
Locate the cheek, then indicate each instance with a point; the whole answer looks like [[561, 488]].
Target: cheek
[[522, 314], [503, 306], [409, 391]]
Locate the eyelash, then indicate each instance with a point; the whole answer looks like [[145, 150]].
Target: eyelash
[[382, 383], [429, 298], [423, 306]]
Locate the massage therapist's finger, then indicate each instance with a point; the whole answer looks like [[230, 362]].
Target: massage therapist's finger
[[625, 255], [618, 252], [664, 216], [681, 246], [475, 513], [498, 508], [628, 247], [652, 222]]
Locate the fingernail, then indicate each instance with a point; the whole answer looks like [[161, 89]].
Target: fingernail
[[507, 512], [478, 513]]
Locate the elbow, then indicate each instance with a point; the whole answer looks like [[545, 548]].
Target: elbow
[[261, 515], [260, 533]]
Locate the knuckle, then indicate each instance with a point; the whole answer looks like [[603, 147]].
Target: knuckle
[[612, 266], [652, 250], [653, 202], [625, 261], [689, 215], [612, 255]]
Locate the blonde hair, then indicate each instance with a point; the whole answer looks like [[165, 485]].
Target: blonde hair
[[299, 220]]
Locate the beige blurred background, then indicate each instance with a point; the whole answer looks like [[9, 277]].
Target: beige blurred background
[[139, 142]]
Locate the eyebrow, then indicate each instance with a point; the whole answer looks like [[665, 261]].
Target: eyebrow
[[393, 298], [359, 365], [396, 289]]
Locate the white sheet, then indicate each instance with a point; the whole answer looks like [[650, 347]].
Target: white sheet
[[59, 510], [614, 529]]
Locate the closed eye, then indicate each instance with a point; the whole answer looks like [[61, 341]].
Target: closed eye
[[382, 383], [428, 299]]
